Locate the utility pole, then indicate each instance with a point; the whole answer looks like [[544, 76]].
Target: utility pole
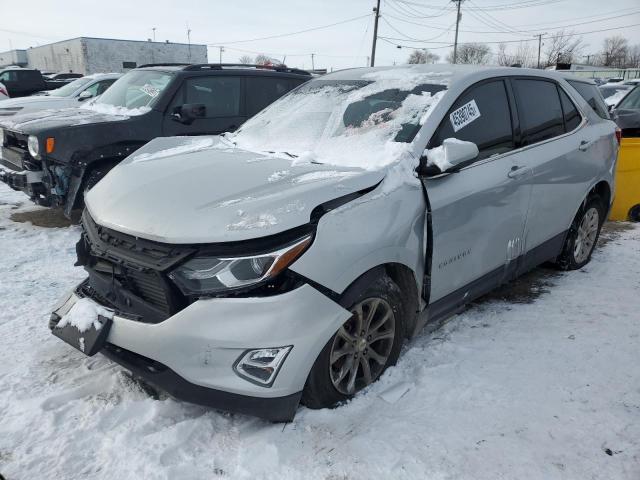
[[221, 50], [539, 46], [376, 10], [455, 43], [313, 65], [189, 41], [154, 33]]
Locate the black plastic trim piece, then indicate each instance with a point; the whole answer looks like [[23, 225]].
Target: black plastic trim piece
[[278, 409]]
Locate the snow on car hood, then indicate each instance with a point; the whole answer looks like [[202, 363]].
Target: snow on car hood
[[196, 190], [37, 121]]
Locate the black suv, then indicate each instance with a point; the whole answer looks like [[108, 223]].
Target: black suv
[[54, 156]]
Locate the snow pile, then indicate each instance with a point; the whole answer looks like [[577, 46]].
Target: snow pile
[[546, 389], [114, 110], [84, 314], [184, 145], [278, 175]]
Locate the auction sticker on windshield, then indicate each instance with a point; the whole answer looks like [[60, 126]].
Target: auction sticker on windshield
[[150, 90], [464, 115]]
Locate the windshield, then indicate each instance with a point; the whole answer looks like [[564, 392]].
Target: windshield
[[631, 101], [69, 88], [346, 122], [135, 90]]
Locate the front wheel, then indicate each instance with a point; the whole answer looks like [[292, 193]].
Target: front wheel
[[582, 236], [362, 348]]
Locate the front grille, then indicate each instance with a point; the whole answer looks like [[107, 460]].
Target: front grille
[[138, 265]]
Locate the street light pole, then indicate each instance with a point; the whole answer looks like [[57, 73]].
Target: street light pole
[[539, 46]]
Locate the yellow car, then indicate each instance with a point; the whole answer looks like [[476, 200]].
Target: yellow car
[[626, 205]]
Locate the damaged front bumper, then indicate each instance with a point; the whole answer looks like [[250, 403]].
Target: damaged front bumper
[[193, 354]]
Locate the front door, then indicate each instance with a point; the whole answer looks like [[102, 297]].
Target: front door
[[223, 99], [478, 214]]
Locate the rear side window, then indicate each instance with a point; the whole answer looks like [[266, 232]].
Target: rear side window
[[28, 76], [488, 126], [9, 76], [539, 109], [220, 95], [262, 91], [592, 96], [572, 117]]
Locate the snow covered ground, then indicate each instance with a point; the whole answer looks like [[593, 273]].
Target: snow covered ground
[[540, 381]]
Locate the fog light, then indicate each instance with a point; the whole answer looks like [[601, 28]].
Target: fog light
[[261, 366]]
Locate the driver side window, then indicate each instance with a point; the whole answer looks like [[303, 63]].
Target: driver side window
[[480, 115]]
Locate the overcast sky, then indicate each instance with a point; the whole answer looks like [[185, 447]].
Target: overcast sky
[[214, 22]]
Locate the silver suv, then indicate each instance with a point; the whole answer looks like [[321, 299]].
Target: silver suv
[[289, 261]]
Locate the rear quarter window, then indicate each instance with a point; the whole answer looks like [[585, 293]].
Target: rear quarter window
[[592, 96]]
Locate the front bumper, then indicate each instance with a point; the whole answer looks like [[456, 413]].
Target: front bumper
[[25, 180], [191, 354]]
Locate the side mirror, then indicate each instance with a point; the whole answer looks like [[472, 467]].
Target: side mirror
[[85, 95], [188, 112], [449, 157]]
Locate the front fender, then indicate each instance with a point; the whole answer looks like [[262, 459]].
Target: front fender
[[376, 229]]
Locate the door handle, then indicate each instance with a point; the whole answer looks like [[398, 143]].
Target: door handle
[[585, 145], [519, 172]]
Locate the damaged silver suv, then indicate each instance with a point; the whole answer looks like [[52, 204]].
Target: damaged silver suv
[[289, 261]]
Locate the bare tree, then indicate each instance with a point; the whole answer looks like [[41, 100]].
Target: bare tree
[[422, 56], [562, 47], [614, 51], [633, 56], [523, 56], [475, 53], [504, 59], [263, 59], [246, 59]]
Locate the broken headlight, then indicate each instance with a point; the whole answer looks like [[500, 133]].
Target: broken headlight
[[210, 275]]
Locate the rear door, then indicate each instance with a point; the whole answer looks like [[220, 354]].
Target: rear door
[[479, 213], [558, 144], [222, 97]]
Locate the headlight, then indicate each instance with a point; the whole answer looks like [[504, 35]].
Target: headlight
[[34, 147], [210, 275]]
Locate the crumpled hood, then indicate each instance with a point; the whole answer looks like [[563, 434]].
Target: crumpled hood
[[42, 120], [196, 190]]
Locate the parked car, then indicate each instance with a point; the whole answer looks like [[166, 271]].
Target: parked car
[[613, 93], [21, 82], [4, 94], [68, 96], [290, 260], [65, 76], [55, 157]]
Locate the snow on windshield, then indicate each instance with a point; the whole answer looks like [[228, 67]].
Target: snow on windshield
[[367, 123]]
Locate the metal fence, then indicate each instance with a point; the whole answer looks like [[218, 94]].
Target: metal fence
[[627, 74]]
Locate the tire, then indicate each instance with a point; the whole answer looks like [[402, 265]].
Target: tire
[[582, 236], [323, 388], [634, 213]]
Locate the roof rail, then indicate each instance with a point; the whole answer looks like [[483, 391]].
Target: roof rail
[[220, 66], [164, 65]]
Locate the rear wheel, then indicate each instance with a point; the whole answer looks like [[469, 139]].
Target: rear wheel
[[583, 235], [362, 348]]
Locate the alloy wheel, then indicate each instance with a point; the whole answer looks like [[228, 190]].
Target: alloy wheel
[[362, 346], [586, 235]]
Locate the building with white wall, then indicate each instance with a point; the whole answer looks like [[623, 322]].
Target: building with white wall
[[88, 55]]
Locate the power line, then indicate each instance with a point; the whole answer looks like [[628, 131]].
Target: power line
[[312, 29], [574, 34], [446, 30]]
